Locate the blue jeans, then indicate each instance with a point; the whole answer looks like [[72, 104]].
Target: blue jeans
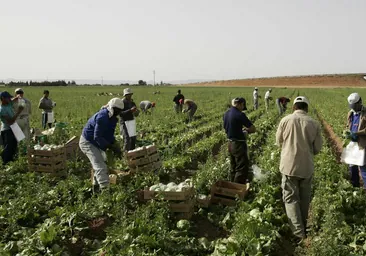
[[355, 176]]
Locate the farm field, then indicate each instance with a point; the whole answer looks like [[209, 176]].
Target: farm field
[[45, 215]]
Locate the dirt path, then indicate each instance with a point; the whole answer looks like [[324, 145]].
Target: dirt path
[[334, 141]]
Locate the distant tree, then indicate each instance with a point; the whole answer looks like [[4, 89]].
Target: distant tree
[[73, 82], [141, 82]]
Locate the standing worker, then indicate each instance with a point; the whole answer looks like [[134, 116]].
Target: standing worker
[[145, 105], [299, 137], [255, 98], [282, 104], [8, 118], [234, 122], [267, 98], [97, 136], [191, 108], [46, 104], [356, 124], [23, 118], [178, 100], [127, 121]]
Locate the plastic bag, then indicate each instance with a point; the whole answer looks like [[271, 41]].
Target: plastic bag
[[352, 154], [257, 172]]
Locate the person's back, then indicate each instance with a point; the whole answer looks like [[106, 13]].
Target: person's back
[[266, 96], [178, 97], [299, 137], [299, 134], [145, 105]]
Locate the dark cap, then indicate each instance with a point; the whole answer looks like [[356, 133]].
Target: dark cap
[[5, 95], [239, 100]]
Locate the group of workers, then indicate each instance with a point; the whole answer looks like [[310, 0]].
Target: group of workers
[[17, 109], [98, 133], [298, 136], [281, 102]]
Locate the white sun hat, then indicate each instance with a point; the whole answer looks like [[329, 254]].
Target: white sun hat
[[127, 91]]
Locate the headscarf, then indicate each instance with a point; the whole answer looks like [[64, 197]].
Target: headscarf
[[114, 103]]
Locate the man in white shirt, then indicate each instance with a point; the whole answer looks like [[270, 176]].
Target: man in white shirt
[[255, 98], [267, 98]]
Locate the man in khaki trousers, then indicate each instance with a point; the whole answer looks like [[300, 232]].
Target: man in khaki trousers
[[299, 137]]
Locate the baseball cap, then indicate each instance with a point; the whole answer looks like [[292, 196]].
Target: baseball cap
[[256, 88], [239, 100], [5, 95], [301, 99], [353, 98], [18, 90]]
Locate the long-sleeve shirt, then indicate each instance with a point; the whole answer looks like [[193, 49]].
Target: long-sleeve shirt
[[178, 97], [234, 121], [45, 104], [6, 111], [145, 105], [267, 95], [360, 128], [99, 130], [127, 114], [299, 137], [283, 101], [27, 111], [190, 104]]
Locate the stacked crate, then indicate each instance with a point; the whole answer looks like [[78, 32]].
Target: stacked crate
[[47, 161], [181, 203], [225, 192], [72, 148], [144, 159]]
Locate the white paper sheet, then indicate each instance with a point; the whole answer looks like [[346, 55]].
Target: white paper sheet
[[50, 118], [18, 133], [131, 127]]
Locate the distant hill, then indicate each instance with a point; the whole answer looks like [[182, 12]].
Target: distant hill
[[334, 80]]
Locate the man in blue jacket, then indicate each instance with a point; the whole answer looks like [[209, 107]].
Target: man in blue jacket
[[235, 121], [97, 136]]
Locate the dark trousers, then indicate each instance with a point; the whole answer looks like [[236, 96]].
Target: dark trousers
[[355, 175], [239, 161], [129, 142], [10, 146], [178, 108], [191, 112], [44, 121]]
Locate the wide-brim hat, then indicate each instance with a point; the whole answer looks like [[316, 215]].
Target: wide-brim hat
[[127, 91]]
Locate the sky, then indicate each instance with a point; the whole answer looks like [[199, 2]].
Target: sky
[[180, 39]]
